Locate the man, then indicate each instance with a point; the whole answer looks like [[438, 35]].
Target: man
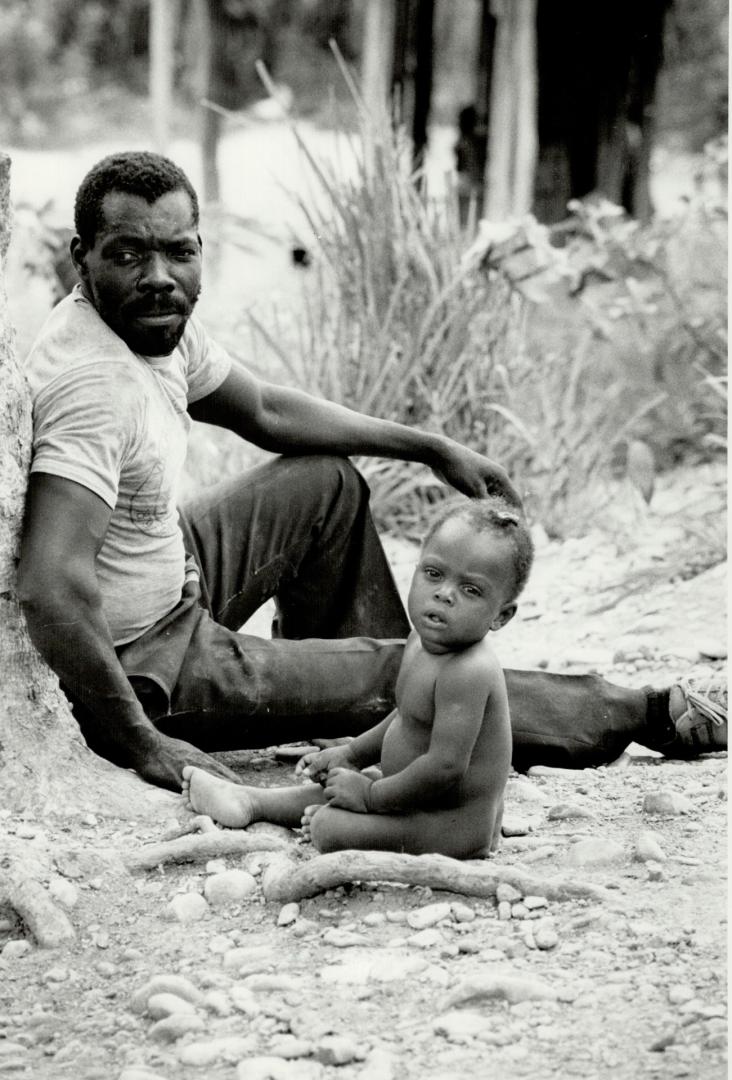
[[138, 612]]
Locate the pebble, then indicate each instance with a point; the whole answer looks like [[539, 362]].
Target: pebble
[[290, 1047], [337, 1050], [462, 913], [15, 948], [268, 983], [229, 887], [303, 927], [713, 649], [229, 1048], [64, 892], [165, 984], [246, 956], [655, 871], [426, 939], [343, 939], [274, 1068], [666, 802], [289, 914], [166, 1004], [648, 847], [374, 918], [525, 791], [535, 902], [595, 851], [56, 975], [215, 866], [504, 910], [244, 1000], [516, 826], [546, 938], [680, 993], [504, 891], [187, 907], [135, 1072], [511, 988], [396, 916], [567, 811], [460, 1025], [421, 918], [380, 1064], [519, 910], [174, 1027]]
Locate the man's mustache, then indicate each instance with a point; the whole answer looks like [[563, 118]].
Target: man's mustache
[[161, 307]]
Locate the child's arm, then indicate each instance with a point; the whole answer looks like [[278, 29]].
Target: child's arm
[[462, 691]]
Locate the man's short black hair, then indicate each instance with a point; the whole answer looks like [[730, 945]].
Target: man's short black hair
[[136, 172], [497, 516]]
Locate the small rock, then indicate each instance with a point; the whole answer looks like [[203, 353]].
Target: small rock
[[14, 949], [187, 907], [396, 916], [511, 988], [648, 848], [546, 938], [303, 927], [247, 956], [380, 1065], [712, 649], [680, 994], [374, 918], [230, 887], [666, 802], [274, 1068], [56, 975], [426, 939], [229, 1048], [26, 832], [165, 984], [64, 892], [216, 866], [289, 914], [566, 811], [515, 826], [665, 1040], [595, 851], [421, 918], [343, 939], [266, 983], [460, 1025], [504, 891], [462, 913], [519, 911], [244, 1000], [290, 1047], [161, 1005], [138, 1072], [336, 1050], [174, 1027], [655, 871], [533, 903], [504, 910]]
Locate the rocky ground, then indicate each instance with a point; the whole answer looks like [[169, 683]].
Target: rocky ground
[[593, 945]]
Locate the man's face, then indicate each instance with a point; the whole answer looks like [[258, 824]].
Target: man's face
[[143, 273]]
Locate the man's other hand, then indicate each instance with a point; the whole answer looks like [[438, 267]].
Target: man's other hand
[[474, 475], [162, 763]]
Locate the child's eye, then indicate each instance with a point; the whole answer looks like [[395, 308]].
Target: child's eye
[[470, 590], [430, 572]]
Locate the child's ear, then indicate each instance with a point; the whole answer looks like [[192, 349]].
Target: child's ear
[[504, 615]]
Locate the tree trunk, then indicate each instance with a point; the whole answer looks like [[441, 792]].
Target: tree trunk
[[164, 16], [44, 763]]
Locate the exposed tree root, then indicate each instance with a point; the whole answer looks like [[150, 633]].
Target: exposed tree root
[[285, 880], [48, 924], [198, 846]]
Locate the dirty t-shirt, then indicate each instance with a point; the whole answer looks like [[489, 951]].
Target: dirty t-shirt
[[116, 422]]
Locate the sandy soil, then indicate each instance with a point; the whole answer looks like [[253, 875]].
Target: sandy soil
[[383, 981]]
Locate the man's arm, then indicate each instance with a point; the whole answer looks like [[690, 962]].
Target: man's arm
[[286, 421], [64, 528]]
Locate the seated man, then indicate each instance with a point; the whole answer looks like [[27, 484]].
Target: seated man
[[137, 610]]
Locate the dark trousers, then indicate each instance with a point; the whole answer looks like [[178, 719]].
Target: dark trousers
[[298, 529]]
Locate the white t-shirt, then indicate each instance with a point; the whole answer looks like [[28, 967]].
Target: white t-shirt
[[116, 422]]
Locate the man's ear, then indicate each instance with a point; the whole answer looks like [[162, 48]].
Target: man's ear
[[504, 616], [78, 257]]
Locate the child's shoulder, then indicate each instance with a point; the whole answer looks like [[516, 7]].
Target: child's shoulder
[[477, 661]]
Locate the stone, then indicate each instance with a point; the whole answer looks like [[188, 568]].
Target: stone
[[374, 918], [519, 910], [421, 918], [566, 811], [178, 985], [546, 938], [229, 887], [14, 949], [462, 913], [594, 851], [336, 1050], [174, 1027], [343, 939], [56, 975], [504, 910], [426, 939], [515, 826], [187, 907], [228, 1048], [648, 847], [680, 993], [290, 1047], [244, 1000], [274, 1068], [511, 988], [533, 903], [138, 1072], [267, 983], [248, 956], [64, 892], [289, 914], [165, 1004], [460, 1025], [655, 871], [712, 649], [504, 891], [666, 802], [380, 1064], [215, 866]]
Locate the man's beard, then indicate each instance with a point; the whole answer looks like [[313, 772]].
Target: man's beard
[[150, 340]]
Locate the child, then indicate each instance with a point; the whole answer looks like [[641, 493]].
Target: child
[[445, 751]]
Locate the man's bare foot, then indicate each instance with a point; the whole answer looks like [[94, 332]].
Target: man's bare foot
[[307, 816], [229, 804]]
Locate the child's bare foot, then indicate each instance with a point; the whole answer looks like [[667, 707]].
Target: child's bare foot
[[229, 804], [307, 816]]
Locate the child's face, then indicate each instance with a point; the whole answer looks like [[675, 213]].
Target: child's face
[[461, 588]]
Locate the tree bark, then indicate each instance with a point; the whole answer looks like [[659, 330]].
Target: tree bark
[[44, 763]]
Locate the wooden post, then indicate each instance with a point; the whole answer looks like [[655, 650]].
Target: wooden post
[[162, 39], [423, 73], [377, 56]]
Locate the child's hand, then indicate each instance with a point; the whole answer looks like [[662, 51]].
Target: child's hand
[[348, 790], [315, 766]]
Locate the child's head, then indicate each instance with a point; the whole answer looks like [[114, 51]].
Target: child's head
[[474, 562]]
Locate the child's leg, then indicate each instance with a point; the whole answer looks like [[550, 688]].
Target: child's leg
[[462, 833], [237, 806]]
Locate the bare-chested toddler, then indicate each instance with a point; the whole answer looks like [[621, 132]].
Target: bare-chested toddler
[[445, 751]]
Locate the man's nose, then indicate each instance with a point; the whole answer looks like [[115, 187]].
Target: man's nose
[[156, 274]]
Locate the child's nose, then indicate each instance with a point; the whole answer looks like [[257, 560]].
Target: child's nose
[[445, 593]]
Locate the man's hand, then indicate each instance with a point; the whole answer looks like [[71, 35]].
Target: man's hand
[[162, 762], [348, 790], [473, 474], [315, 765]]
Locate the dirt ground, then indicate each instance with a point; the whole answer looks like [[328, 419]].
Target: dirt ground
[[607, 960]]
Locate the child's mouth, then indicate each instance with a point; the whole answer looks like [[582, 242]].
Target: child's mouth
[[434, 619]]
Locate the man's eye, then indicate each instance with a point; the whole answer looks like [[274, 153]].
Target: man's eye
[[124, 258], [184, 254]]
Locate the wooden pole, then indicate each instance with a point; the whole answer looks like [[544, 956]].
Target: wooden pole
[[162, 38], [423, 74], [377, 56]]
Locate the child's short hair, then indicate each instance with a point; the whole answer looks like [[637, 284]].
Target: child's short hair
[[494, 515]]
